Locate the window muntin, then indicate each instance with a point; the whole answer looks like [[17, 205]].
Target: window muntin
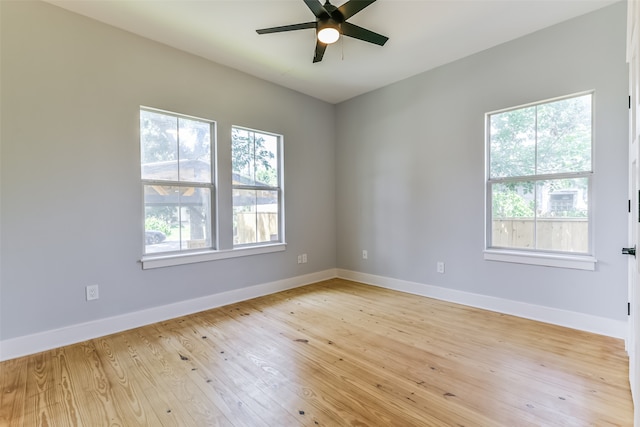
[[257, 187], [177, 181], [540, 177]]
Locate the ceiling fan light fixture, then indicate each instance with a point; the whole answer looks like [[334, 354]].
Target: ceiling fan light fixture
[[331, 24], [328, 32]]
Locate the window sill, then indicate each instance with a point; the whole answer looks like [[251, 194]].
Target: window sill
[[158, 261], [579, 262]]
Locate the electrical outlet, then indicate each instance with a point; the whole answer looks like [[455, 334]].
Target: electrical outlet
[[304, 258], [440, 267], [299, 259], [92, 292], [365, 254]]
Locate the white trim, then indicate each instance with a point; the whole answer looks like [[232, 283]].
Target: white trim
[[578, 262], [569, 319], [46, 340], [157, 261]]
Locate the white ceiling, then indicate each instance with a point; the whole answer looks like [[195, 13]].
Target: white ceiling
[[423, 34]]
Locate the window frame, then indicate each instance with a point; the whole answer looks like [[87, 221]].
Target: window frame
[[210, 185], [219, 250], [279, 188], [549, 258]]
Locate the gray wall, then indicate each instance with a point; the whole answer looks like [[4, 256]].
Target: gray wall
[[71, 198], [410, 167], [400, 174]]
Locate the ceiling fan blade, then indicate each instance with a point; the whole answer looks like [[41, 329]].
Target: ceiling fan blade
[[317, 8], [282, 28], [352, 7], [363, 34], [320, 48]]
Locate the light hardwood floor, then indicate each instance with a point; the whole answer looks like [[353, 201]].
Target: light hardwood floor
[[335, 353]]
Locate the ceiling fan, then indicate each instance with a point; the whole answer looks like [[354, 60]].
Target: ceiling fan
[[331, 23]]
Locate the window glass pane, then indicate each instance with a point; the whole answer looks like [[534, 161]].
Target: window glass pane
[[255, 216], [513, 215], [564, 136], [159, 146], [176, 218], [563, 218], [194, 139], [512, 143], [243, 157], [162, 218], [195, 203], [266, 147]]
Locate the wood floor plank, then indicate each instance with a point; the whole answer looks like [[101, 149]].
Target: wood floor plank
[[531, 406], [360, 354], [13, 389], [172, 378], [158, 395], [229, 391], [92, 387], [50, 399], [335, 353], [219, 357], [269, 363], [127, 393]]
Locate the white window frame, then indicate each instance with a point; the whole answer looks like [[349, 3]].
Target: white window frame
[[210, 185], [536, 256], [167, 259], [279, 189]]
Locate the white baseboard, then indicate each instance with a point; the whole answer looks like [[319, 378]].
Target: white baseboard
[[569, 319], [41, 341]]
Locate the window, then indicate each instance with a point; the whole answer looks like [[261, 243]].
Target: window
[[177, 181], [539, 178], [257, 187]]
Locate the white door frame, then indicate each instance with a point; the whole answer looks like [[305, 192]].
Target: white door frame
[[633, 340]]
